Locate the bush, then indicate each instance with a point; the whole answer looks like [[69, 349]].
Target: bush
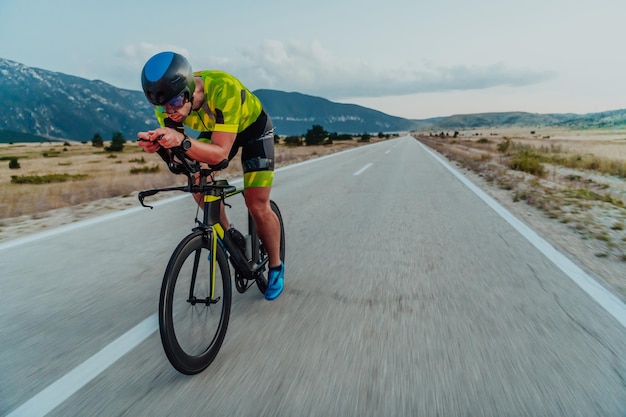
[[51, 154], [145, 170], [14, 164], [503, 147], [97, 141], [45, 179], [527, 160], [315, 136], [293, 141], [343, 136], [117, 143]]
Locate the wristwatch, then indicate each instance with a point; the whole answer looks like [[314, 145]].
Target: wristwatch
[[186, 144]]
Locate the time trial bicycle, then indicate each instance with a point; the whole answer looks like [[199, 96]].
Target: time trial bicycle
[[195, 298]]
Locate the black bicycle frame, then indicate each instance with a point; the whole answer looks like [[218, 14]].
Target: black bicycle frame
[[214, 193]]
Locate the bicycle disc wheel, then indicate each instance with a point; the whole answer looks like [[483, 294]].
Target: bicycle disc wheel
[[193, 313], [261, 281]]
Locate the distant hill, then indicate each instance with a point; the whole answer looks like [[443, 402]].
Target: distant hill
[[295, 113], [59, 106], [608, 119], [473, 121]]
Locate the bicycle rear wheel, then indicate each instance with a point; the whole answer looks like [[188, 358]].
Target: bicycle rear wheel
[[193, 312], [259, 249]]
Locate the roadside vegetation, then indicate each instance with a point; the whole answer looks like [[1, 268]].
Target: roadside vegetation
[[580, 183], [37, 177]]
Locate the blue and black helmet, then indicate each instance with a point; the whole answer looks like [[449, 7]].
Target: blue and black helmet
[[165, 76]]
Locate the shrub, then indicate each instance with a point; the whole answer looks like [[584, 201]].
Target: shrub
[[315, 136], [145, 170], [45, 179], [527, 160], [117, 143], [343, 136], [293, 141], [97, 141], [503, 147], [13, 163]]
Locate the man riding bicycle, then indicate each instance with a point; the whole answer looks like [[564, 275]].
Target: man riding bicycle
[[228, 117]]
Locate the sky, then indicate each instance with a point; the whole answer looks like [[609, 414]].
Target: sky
[[408, 58]]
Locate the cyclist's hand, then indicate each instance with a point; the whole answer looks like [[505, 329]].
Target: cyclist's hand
[[148, 141], [168, 137]]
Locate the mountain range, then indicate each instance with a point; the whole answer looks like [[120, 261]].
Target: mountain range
[[63, 107]]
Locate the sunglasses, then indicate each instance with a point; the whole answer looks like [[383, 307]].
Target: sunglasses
[[173, 105]]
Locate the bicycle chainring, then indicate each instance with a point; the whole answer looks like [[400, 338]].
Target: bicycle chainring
[[241, 283]]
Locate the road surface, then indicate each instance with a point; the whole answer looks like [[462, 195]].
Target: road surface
[[406, 295]]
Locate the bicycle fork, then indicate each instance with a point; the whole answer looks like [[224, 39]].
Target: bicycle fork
[[216, 230]]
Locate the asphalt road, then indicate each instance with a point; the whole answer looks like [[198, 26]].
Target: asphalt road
[[406, 295]]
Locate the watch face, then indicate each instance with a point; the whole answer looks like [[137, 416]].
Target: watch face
[[186, 144]]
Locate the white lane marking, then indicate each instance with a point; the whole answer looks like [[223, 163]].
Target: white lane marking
[[362, 170], [52, 396], [601, 295]]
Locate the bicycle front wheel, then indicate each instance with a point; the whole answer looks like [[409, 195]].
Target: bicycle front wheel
[[194, 306]]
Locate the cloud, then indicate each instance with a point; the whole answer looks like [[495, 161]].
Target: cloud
[[310, 68], [125, 66]]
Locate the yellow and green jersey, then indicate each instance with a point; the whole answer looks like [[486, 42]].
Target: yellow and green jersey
[[229, 106]]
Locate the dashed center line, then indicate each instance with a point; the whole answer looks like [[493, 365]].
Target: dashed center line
[[362, 170]]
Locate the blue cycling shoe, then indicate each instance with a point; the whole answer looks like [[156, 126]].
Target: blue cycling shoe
[[275, 282]]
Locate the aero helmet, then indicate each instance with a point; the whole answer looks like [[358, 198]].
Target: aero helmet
[[165, 76]]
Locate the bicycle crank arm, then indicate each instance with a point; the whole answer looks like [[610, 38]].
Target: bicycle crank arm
[[257, 268]]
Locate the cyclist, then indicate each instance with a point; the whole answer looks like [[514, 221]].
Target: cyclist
[[228, 117]]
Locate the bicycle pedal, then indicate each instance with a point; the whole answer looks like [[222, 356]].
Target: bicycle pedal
[[257, 268]]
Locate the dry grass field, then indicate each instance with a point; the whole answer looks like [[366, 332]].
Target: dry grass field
[[61, 183], [570, 185], [57, 175]]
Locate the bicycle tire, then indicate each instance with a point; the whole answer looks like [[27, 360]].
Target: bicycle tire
[[261, 281], [192, 333]]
